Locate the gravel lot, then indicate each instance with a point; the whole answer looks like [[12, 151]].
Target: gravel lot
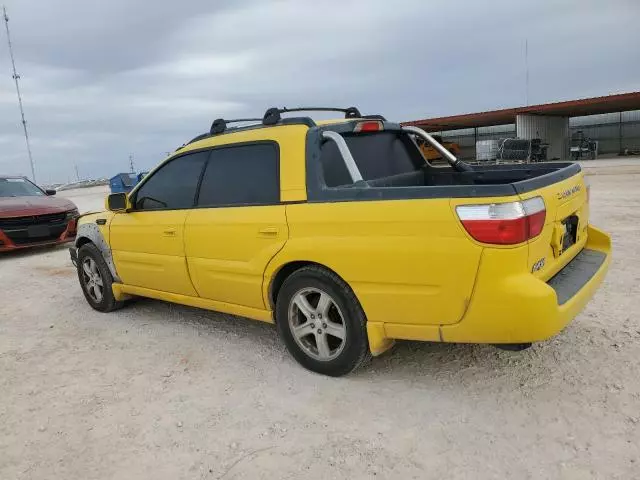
[[169, 392]]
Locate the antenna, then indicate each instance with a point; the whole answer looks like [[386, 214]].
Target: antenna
[[526, 66], [16, 77], [131, 164]]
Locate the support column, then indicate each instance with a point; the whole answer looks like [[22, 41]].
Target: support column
[[552, 130]]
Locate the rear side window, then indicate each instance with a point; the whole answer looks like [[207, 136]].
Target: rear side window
[[241, 175], [174, 185], [377, 155]]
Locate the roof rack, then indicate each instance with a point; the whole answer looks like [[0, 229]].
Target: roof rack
[[219, 125], [273, 115]]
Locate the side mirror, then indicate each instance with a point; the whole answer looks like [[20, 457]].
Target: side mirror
[[50, 191], [118, 202]]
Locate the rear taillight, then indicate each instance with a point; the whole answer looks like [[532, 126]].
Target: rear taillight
[[369, 126], [504, 223]]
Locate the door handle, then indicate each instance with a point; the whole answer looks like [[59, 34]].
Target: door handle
[[268, 231], [169, 233]]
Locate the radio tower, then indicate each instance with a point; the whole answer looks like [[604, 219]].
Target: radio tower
[[16, 77]]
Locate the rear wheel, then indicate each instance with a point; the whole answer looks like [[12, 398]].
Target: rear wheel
[[321, 322], [95, 279]]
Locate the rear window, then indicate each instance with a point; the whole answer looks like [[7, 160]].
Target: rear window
[[242, 175], [377, 155]]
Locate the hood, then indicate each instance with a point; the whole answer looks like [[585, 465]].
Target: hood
[[24, 206]]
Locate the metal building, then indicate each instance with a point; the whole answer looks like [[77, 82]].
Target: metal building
[[612, 122]]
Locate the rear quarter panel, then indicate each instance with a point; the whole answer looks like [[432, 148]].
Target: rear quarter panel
[[406, 260]]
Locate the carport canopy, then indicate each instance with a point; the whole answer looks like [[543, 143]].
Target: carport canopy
[[574, 108]]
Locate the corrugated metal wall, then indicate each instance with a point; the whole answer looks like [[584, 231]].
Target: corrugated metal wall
[[552, 130], [613, 131]]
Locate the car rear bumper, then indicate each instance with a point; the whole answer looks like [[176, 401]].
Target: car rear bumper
[[68, 235], [522, 308]]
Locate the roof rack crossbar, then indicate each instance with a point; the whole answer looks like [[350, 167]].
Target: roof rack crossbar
[[348, 110], [273, 115], [219, 125]]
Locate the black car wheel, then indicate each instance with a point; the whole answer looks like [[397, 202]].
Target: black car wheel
[[321, 322], [95, 279]]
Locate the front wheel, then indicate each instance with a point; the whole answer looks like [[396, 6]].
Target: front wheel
[[321, 322], [95, 279]]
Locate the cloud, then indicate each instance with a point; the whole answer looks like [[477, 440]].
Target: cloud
[[102, 80]]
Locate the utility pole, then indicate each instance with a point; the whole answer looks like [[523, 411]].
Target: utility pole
[[16, 77], [75, 165], [131, 167]]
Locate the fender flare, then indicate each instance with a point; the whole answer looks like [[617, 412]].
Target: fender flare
[[92, 233]]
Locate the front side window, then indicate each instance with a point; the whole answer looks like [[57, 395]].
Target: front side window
[[18, 187], [174, 185], [241, 175]]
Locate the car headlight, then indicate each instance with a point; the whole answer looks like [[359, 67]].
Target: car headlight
[[72, 214]]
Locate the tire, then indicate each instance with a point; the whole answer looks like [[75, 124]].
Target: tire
[[313, 340], [91, 258], [513, 347]]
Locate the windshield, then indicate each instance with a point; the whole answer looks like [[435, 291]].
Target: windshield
[[18, 187]]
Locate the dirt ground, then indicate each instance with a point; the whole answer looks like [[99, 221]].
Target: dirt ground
[[169, 392]]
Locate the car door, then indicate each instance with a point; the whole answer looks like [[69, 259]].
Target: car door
[[148, 242], [238, 225]]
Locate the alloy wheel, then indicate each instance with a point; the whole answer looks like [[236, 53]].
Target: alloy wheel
[[317, 324], [92, 279]]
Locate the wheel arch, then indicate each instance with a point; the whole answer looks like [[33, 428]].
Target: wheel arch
[[286, 270], [378, 341], [90, 233], [80, 241]]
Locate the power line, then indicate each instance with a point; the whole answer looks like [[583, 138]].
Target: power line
[[16, 77]]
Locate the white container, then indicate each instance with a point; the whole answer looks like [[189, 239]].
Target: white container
[[486, 149]]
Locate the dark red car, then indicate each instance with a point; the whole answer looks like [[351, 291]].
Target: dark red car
[[30, 216]]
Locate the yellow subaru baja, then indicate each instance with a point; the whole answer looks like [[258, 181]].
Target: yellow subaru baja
[[341, 234]]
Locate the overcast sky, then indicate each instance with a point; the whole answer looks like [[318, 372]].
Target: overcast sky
[[105, 79]]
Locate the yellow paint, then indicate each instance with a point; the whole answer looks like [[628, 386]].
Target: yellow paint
[[148, 250], [430, 153], [127, 207], [403, 331], [92, 217], [379, 341], [228, 250], [548, 244], [510, 305], [395, 255], [121, 290], [416, 272]]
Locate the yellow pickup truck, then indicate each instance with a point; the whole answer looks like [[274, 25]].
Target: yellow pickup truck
[[344, 236]]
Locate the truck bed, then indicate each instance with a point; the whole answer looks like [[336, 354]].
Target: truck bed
[[522, 176], [439, 182], [393, 168]]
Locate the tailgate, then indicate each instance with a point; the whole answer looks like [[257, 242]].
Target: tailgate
[[565, 230]]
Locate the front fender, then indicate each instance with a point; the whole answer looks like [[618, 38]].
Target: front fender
[[98, 234]]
